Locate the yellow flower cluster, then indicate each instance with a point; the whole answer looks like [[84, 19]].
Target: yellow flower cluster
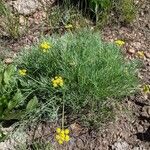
[[146, 89], [119, 42], [57, 81], [69, 26], [22, 72], [140, 54], [62, 135], [45, 46]]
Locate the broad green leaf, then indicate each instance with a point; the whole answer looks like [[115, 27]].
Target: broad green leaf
[[33, 103], [9, 71], [15, 100]]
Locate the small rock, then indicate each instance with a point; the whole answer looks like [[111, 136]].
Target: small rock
[[131, 51], [120, 146], [137, 45], [22, 20], [8, 61], [147, 54], [139, 128], [146, 111], [136, 148], [26, 7], [80, 144], [76, 128]]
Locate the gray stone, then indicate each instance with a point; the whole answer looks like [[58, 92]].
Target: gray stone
[[18, 137], [146, 111], [120, 146], [26, 7]]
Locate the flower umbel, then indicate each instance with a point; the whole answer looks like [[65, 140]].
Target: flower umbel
[[45, 46], [119, 42], [57, 81], [146, 89], [140, 54], [62, 135], [22, 72]]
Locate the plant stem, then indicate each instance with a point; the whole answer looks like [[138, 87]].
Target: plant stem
[[63, 111], [35, 80]]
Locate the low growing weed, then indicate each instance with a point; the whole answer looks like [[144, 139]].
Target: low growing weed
[[128, 10], [9, 21], [77, 69], [74, 74]]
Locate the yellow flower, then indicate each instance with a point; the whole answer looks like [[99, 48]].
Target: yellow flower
[[67, 138], [60, 142], [45, 46], [57, 81], [66, 131], [146, 89], [62, 135], [69, 26], [58, 130], [119, 42], [57, 137], [22, 72], [62, 132], [140, 54]]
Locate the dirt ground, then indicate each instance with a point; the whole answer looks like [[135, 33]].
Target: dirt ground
[[131, 128]]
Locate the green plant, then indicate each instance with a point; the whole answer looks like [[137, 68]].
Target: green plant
[[59, 16], [12, 98], [36, 145], [91, 69], [9, 21], [101, 8], [128, 10]]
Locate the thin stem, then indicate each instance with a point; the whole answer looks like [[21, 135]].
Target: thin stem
[[96, 12], [35, 80], [63, 112]]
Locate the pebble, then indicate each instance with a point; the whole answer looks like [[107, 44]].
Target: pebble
[[147, 54], [146, 111], [8, 61], [131, 51], [22, 20], [120, 146], [139, 128], [80, 144]]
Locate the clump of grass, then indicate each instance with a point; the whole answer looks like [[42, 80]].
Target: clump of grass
[[92, 71], [128, 10], [36, 145], [9, 22]]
